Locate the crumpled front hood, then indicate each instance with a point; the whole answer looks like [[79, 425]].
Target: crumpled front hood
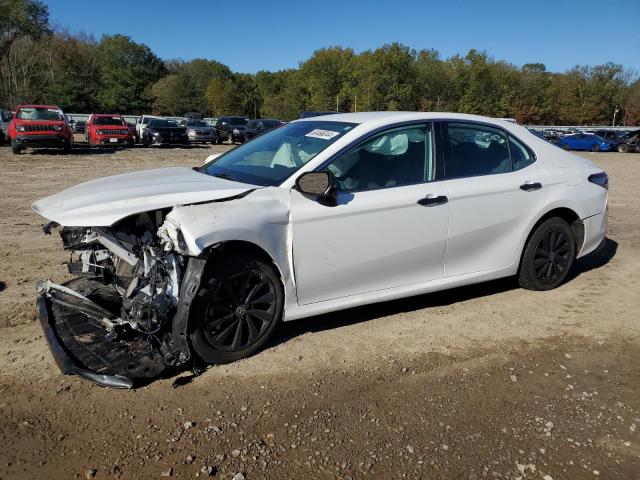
[[104, 201]]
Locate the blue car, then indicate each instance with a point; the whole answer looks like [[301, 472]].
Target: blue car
[[586, 141]]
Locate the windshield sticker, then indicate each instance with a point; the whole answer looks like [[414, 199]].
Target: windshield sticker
[[324, 134]]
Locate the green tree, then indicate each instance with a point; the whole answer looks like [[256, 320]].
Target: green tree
[[127, 70], [74, 71]]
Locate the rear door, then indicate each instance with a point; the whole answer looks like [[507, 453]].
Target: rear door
[[495, 188]]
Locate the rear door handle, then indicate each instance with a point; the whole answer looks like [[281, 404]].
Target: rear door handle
[[433, 200], [528, 186]]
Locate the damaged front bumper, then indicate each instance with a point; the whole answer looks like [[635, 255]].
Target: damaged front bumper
[[82, 339], [68, 364]]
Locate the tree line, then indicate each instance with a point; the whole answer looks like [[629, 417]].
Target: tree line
[[117, 74]]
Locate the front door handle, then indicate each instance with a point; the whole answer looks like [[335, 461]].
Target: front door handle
[[528, 186], [433, 200]]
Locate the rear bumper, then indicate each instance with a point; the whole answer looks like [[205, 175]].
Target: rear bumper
[[64, 361], [41, 141], [595, 232]]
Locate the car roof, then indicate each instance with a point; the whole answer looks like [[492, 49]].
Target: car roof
[[395, 117]]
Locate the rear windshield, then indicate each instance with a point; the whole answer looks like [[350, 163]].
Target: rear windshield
[[163, 124], [196, 123], [108, 121], [38, 113]]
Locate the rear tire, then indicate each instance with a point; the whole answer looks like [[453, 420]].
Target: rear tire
[[238, 307], [548, 256], [623, 148], [595, 147]]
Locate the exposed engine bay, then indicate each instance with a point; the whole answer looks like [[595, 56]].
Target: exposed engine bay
[[117, 318]]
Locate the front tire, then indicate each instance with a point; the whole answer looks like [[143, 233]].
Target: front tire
[[15, 148], [230, 139], [238, 307], [548, 256], [566, 147]]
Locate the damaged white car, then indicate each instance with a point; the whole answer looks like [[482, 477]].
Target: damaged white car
[[322, 214]]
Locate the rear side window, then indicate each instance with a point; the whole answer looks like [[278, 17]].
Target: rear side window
[[472, 150], [521, 156]]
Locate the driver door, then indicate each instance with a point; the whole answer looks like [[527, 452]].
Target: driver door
[[389, 227]]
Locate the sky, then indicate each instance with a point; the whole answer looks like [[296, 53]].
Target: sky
[[249, 35]]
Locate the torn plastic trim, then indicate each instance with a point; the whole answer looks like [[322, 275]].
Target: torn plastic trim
[[62, 358]]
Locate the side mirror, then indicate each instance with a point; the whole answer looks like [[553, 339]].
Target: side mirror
[[319, 184]]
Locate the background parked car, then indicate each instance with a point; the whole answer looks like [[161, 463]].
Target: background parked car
[[160, 131], [198, 131], [258, 127], [79, 126], [108, 130], [38, 126], [615, 137], [5, 120], [586, 141], [230, 129], [142, 125]]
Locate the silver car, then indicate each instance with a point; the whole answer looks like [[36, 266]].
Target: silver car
[[199, 131]]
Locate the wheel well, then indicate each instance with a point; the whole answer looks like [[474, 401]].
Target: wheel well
[[240, 247], [569, 216]]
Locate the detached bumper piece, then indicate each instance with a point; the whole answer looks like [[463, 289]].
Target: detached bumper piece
[[76, 324]]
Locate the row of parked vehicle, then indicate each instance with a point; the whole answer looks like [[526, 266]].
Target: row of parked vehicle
[[602, 140], [37, 126]]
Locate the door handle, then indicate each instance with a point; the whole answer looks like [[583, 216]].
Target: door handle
[[433, 200], [528, 186]]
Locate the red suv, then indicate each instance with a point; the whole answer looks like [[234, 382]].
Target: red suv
[[108, 130], [38, 126]]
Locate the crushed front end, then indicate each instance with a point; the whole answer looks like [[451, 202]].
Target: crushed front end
[[122, 319]]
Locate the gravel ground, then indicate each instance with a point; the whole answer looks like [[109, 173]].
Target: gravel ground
[[483, 381]]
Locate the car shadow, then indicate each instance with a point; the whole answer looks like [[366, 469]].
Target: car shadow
[[2, 285], [442, 298], [594, 260], [74, 151]]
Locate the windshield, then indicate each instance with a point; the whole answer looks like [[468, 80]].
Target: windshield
[[107, 121], [233, 120], [163, 124], [273, 157], [39, 113], [196, 123]]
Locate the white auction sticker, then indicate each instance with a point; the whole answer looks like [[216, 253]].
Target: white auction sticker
[[324, 134]]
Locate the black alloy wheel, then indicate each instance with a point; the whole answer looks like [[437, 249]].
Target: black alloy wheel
[[595, 147], [237, 309], [548, 255], [230, 139]]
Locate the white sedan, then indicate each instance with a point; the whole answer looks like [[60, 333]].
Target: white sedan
[[318, 215]]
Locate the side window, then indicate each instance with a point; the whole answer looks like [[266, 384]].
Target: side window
[[521, 156], [398, 157], [472, 150]]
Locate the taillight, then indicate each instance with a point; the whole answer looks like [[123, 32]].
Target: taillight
[[601, 179]]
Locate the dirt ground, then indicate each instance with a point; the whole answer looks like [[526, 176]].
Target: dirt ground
[[488, 381]]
